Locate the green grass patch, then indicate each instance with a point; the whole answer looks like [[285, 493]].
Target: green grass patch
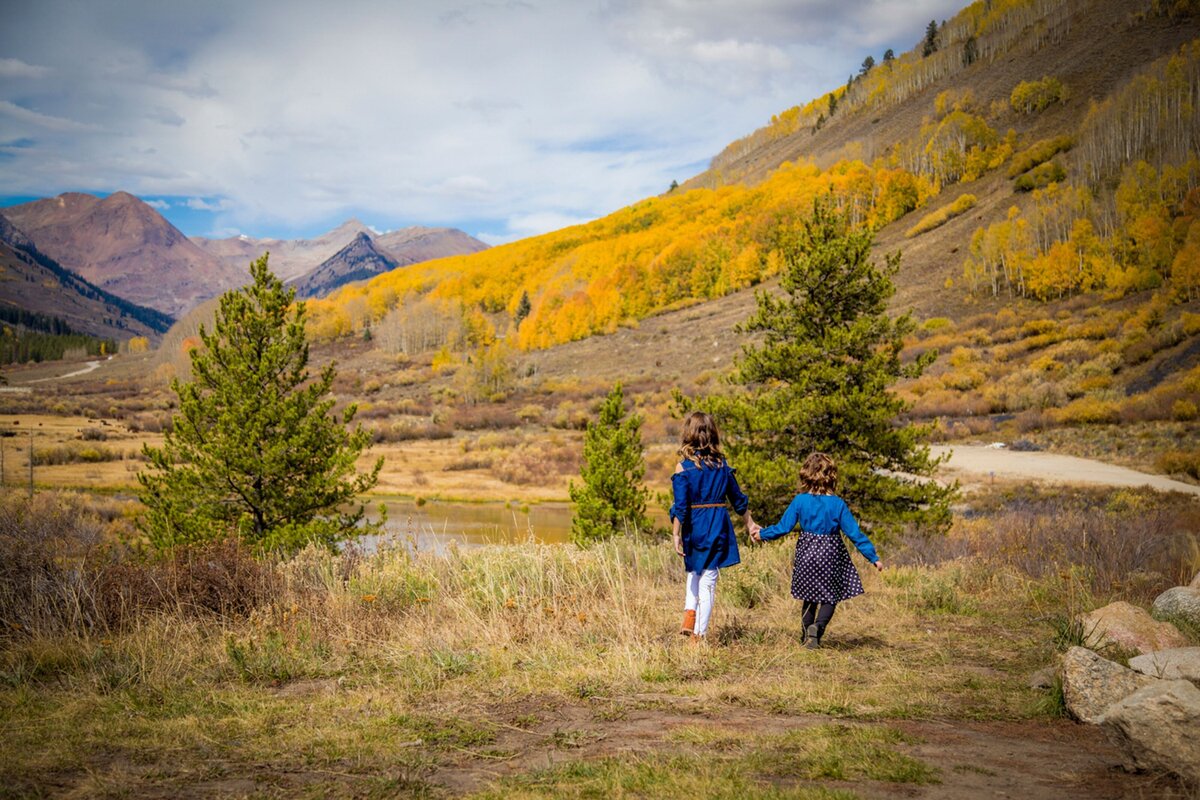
[[733, 764]]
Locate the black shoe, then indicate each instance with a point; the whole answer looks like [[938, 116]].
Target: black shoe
[[812, 638]]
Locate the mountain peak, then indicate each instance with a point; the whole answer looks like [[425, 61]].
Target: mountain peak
[[356, 261]]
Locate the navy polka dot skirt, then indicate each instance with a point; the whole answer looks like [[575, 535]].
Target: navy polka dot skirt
[[822, 572]]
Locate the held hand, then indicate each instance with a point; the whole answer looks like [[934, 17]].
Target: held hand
[[879, 565]]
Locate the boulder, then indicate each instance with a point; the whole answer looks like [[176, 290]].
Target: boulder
[[1091, 684], [1043, 678], [1129, 627], [1155, 728], [1178, 602], [1178, 664]]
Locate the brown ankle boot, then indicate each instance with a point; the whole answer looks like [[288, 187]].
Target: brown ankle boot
[[689, 623]]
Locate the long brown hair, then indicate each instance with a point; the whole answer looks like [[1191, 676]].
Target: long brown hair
[[700, 440], [818, 475]]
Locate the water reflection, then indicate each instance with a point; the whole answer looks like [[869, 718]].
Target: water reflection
[[435, 525]]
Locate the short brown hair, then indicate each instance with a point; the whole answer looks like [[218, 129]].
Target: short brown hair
[[818, 475]]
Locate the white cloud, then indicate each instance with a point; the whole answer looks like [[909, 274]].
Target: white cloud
[[24, 115], [200, 204], [520, 115], [161, 205], [16, 68]]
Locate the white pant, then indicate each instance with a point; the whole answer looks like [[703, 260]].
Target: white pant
[[701, 591]]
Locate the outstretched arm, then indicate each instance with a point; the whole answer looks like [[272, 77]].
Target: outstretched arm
[[782, 528]]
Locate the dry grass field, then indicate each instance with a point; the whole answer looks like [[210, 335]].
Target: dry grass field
[[551, 671]]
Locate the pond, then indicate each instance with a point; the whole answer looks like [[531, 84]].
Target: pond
[[434, 525]]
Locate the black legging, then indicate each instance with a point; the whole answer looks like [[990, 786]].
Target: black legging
[[820, 613]]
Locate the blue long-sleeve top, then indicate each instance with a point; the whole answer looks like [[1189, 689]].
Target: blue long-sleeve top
[[821, 514]]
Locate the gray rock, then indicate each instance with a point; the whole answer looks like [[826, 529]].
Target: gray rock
[[1178, 602], [1156, 728], [1180, 663], [1195, 584], [1091, 684], [1043, 678], [1129, 627]]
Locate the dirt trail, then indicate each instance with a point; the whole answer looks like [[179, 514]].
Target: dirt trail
[[88, 367], [972, 462], [1028, 760]]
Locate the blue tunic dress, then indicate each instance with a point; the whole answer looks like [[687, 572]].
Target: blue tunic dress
[[822, 571], [700, 496]]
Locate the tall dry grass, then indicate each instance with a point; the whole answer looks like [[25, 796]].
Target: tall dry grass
[[1127, 544]]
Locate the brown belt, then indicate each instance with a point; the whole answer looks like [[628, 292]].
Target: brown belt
[[708, 505]]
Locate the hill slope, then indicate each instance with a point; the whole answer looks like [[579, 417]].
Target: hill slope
[[35, 283], [126, 247], [905, 138]]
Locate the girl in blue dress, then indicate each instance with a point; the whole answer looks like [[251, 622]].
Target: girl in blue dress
[[703, 483], [822, 574]]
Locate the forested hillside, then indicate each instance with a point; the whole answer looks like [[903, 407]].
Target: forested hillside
[[1057, 190]]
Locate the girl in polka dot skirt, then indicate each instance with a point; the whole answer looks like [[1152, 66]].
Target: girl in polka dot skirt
[[822, 575]]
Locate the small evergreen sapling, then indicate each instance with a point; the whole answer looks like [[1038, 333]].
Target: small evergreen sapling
[[611, 500], [255, 449]]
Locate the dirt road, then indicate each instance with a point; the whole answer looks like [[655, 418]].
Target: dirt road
[[971, 463]]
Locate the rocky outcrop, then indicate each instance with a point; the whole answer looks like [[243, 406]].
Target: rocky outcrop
[[1091, 684], [1181, 663], [1178, 603], [1158, 727], [1129, 627]]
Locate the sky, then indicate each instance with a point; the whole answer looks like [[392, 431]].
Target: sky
[[510, 118]]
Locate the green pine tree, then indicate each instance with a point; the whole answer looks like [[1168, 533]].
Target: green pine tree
[[818, 379], [611, 500], [523, 308], [930, 45], [255, 449]]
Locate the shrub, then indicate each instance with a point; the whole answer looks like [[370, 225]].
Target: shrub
[[1184, 410], [1180, 462], [943, 215], [1088, 411], [74, 453], [1130, 543], [537, 463], [938, 324], [484, 417], [1030, 97], [1037, 153], [57, 575], [409, 430], [1040, 177]]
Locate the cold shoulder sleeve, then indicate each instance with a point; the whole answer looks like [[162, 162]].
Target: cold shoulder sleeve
[[849, 526], [782, 528]]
